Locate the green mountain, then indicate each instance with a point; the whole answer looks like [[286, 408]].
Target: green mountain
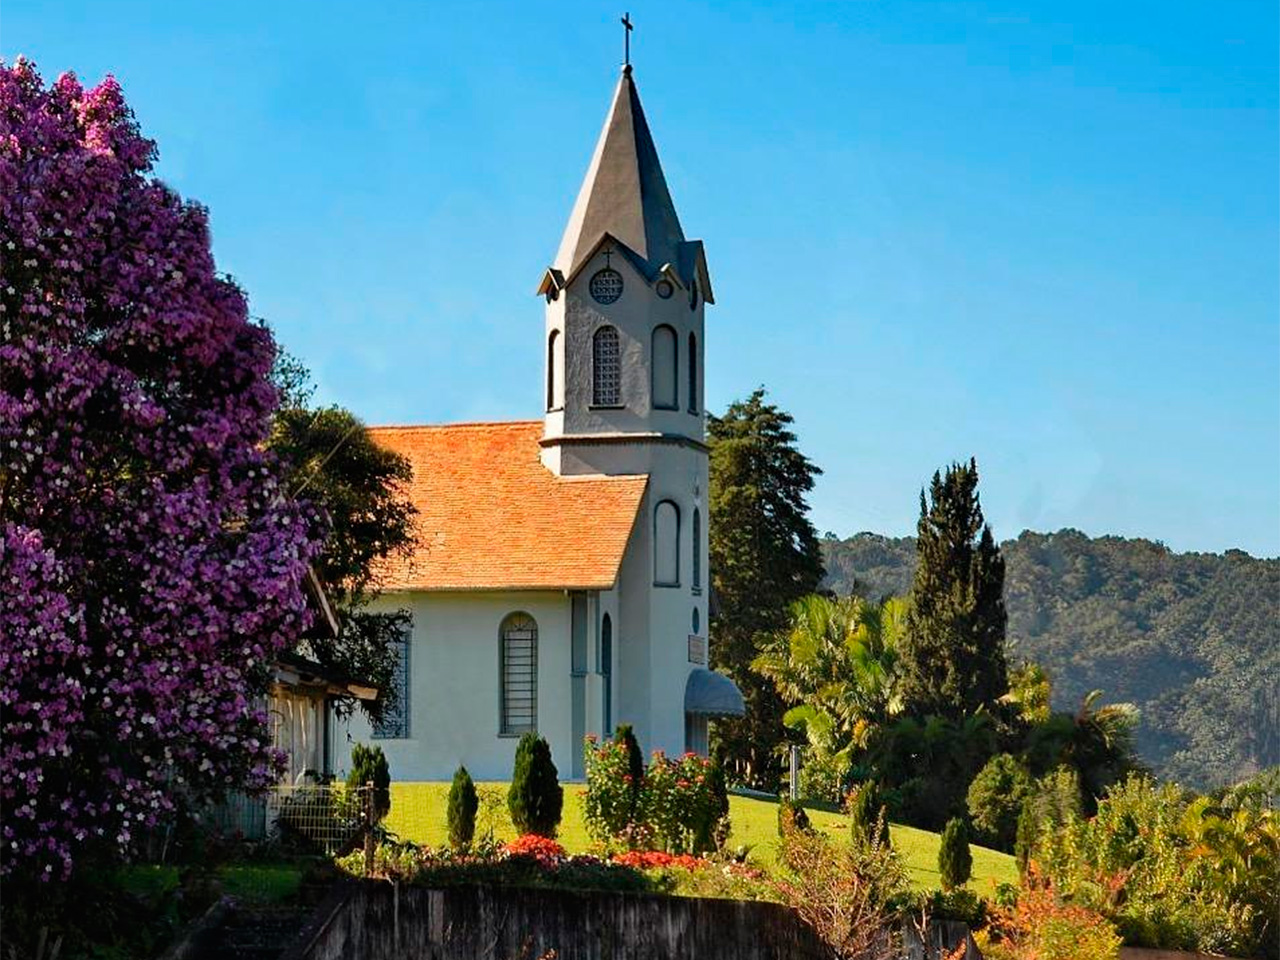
[[1193, 639]]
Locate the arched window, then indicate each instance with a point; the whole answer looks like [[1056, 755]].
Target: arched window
[[518, 640], [606, 368], [666, 545], [697, 550], [693, 373], [606, 670], [555, 372], [665, 366]]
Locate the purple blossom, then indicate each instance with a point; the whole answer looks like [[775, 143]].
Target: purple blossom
[[150, 565]]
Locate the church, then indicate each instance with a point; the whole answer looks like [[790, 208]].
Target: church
[[560, 582]]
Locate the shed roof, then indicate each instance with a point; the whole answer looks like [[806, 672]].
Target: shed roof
[[492, 517]]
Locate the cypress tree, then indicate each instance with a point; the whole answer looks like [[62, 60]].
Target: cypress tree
[[955, 862], [535, 797], [463, 804], [952, 656], [635, 766], [764, 555]]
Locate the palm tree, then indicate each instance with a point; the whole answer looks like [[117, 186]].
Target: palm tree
[[837, 662]]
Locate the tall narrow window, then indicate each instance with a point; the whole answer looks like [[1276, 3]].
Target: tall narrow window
[[606, 368], [519, 662], [606, 671], [395, 714], [697, 550], [693, 373], [664, 372], [555, 372], [666, 545]]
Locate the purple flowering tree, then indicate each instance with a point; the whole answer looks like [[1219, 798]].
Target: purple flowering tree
[[150, 565]]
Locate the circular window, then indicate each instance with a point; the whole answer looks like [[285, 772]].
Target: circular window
[[606, 285], [665, 289], [693, 295], [697, 622]]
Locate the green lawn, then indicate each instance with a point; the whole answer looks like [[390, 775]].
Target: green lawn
[[418, 814]]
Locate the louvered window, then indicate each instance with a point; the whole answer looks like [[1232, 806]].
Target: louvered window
[[606, 368], [519, 655]]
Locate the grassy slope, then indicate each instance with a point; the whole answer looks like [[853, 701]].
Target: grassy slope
[[418, 814]]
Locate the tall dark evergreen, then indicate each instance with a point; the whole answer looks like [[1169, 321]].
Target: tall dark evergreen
[[764, 555], [952, 657]]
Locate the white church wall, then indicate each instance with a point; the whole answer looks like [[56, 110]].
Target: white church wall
[[454, 686]]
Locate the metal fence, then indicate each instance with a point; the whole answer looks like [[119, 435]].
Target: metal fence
[[327, 818]]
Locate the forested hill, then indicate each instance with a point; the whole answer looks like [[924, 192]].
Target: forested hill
[[1193, 639]]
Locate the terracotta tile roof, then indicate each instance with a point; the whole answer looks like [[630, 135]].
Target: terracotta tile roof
[[491, 516]]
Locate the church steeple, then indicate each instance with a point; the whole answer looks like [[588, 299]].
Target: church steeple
[[624, 193], [625, 300]]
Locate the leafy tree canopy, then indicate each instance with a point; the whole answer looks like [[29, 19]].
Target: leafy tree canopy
[[331, 459], [764, 555]]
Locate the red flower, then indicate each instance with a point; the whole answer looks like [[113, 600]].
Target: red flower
[[543, 849]]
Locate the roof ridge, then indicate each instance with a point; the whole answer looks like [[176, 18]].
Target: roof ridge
[[468, 424]]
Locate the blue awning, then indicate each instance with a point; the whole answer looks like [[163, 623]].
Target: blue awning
[[713, 694]]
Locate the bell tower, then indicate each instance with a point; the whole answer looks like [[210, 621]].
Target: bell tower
[[625, 298]]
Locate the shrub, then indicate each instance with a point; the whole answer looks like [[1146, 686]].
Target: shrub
[[791, 816], [463, 804], [849, 893], [611, 801], [995, 800], [1169, 872], [1043, 927], [955, 862], [678, 802], [868, 817], [535, 798], [681, 805], [369, 765], [1053, 801]]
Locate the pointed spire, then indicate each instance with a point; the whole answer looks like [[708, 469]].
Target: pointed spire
[[624, 193]]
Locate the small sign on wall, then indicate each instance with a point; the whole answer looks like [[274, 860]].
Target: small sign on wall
[[697, 649]]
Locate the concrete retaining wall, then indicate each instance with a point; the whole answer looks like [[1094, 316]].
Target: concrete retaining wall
[[376, 921]]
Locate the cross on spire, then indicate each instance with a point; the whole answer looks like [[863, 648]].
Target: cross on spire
[[626, 42]]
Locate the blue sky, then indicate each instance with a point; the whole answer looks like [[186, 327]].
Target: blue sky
[[1042, 234]]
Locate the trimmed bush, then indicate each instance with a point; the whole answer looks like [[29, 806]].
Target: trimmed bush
[[996, 797], [463, 804], [369, 765], [535, 798], [955, 862], [868, 818]]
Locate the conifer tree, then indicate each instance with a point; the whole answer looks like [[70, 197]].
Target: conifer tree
[[463, 804], [952, 657], [535, 798], [764, 555], [955, 861]]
